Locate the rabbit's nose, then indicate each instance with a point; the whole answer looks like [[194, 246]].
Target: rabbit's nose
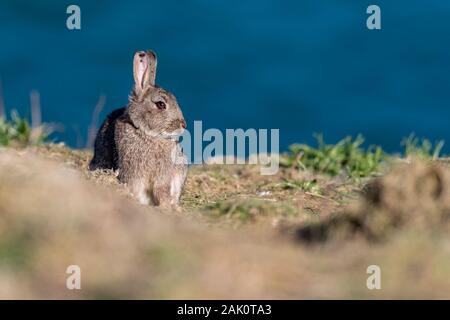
[[183, 124]]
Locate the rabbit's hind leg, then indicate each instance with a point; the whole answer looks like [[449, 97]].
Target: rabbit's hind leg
[[161, 195]]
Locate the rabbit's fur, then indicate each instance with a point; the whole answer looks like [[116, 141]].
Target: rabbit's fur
[[141, 140]]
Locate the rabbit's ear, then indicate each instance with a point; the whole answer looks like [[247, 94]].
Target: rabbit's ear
[[152, 69], [144, 70]]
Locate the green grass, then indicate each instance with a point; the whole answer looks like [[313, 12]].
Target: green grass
[[422, 148], [310, 186], [249, 209], [17, 132], [348, 155], [15, 250]]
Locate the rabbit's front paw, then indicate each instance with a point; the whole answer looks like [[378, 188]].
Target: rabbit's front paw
[[139, 191], [170, 207]]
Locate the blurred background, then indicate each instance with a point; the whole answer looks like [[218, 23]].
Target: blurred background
[[300, 66]]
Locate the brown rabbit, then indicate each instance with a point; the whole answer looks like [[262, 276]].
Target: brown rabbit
[[141, 140]]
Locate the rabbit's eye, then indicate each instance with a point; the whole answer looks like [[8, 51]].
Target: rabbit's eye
[[161, 105]]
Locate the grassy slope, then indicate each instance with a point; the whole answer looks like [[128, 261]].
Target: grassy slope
[[240, 235], [236, 194]]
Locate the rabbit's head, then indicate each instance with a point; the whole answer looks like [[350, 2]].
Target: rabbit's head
[[153, 109]]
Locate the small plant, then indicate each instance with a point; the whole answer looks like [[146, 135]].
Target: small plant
[[249, 209], [18, 132], [422, 148], [310, 186], [347, 155]]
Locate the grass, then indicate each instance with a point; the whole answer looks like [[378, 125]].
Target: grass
[[311, 186], [422, 148], [240, 235], [249, 209], [348, 156], [15, 251], [246, 237], [17, 132]]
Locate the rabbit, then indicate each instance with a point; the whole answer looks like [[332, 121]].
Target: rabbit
[[141, 140]]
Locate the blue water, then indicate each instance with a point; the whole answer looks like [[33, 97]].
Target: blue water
[[300, 66]]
